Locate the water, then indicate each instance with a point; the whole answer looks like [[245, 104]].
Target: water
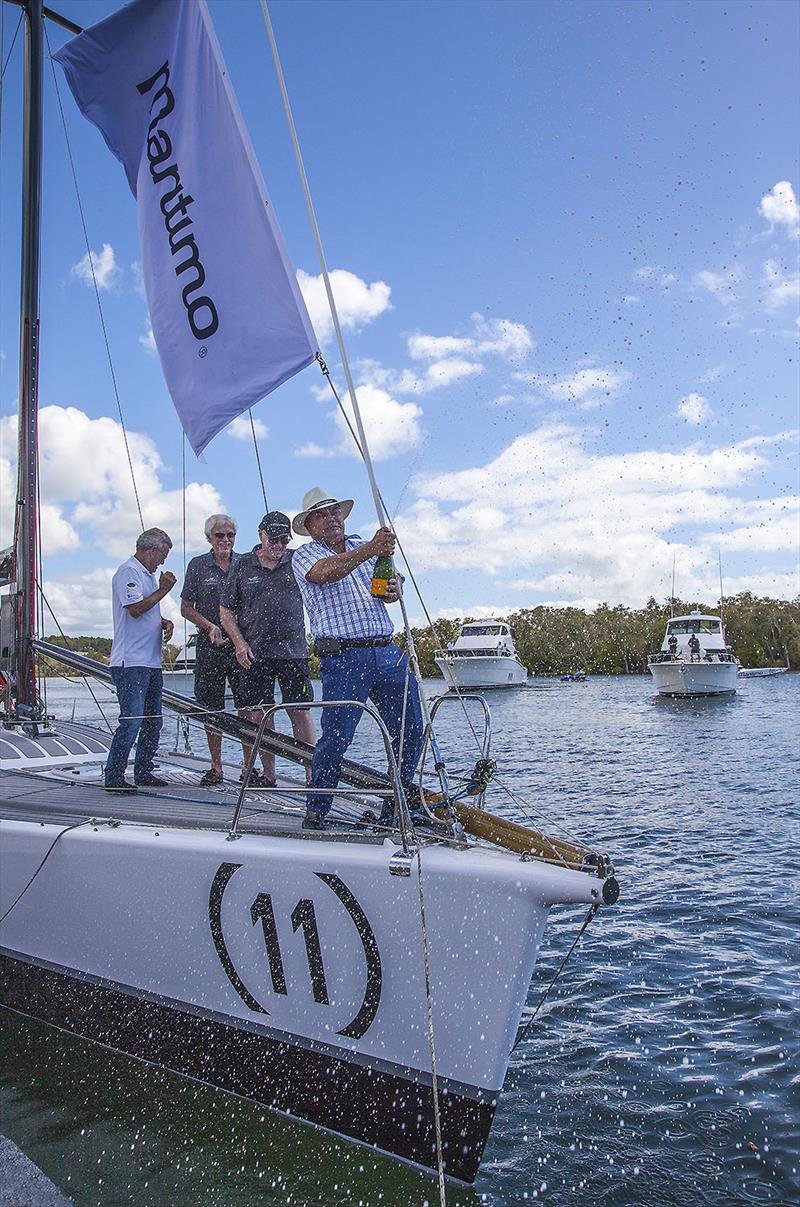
[[663, 1069]]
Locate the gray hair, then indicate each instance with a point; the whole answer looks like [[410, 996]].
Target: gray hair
[[153, 538], [213, 520]]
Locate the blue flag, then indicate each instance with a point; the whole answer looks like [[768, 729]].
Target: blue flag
[[228, 317]]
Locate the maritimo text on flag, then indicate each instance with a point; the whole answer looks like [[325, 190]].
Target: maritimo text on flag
[[228, 318]]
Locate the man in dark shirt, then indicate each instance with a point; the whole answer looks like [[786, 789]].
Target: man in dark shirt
[[262, 612], [216, 662]]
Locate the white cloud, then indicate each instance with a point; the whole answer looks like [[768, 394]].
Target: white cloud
[[106, 269], [779, 287], [148, 341], [434, 376], [552, 514], [586, 384], [694, 408], [721, 284], [100, 506], [391, 426], [314, 450], [779, 207], [712, 374], [490, 337], [357, 302], [240, 428]]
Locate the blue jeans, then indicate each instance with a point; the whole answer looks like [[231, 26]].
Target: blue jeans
[[139, 695], [379, 675]]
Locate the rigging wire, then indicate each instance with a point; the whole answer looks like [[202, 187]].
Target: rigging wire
[[529, 811], [590, 915], [69, 647], [94, 281], [258, 458], [75, 825], [10, 49]]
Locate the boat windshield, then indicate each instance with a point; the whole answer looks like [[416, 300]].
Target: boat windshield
[[693, 626], [482, 630]]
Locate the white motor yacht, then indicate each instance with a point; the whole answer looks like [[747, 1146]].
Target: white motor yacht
[[483, 655], [694, 659]]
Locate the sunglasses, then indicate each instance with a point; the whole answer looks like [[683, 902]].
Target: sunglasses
[[224, 536]]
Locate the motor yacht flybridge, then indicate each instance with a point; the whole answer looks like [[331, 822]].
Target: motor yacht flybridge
[[483, 655]]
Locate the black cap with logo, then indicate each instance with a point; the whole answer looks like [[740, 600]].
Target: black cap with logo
[[275, 524]]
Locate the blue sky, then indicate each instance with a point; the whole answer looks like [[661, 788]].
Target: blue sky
[[565, 243]]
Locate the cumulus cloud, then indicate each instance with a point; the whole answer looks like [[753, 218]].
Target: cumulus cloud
[[357, 302], [392, 427], [489, 337], [721, 284], [694, 408], [240, 428], [780, 288], [434, 376], [779, 207], [148, 341], [106, 269], [587, 525], [99, 506], [588, 386]]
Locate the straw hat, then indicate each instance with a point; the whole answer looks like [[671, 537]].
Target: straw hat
[[315, 500]]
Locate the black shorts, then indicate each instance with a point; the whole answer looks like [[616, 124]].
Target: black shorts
[[256, 686], [216, 666]]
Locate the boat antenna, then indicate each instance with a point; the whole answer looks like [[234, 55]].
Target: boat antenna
[[721, 595], [672, 594]]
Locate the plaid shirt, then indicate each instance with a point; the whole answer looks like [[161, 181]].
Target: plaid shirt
[[342, 609]]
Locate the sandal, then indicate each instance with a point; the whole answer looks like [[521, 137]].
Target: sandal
[[211, 779]]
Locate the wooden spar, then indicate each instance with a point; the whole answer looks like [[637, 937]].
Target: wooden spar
[[514, 837]]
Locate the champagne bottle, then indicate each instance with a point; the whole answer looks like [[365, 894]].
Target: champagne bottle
[[384, 570]]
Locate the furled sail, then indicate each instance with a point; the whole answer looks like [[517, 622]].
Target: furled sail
[[228, 317]]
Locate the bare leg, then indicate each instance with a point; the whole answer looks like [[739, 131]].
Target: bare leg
[[303, 729], [214, 739], [254, 715]]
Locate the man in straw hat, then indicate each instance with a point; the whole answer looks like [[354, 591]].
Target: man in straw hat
[[352, 633]]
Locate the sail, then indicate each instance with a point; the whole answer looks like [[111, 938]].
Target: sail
[[228, 317]]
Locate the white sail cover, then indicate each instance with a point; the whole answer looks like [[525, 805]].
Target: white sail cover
[[228, 317]]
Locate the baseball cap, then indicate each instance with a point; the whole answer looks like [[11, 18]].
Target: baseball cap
[[275, 524]]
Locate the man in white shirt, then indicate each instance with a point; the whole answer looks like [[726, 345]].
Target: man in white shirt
[[136, 660]]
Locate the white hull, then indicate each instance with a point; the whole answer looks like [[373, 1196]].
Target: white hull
[[681, 678], [289, 971], [466, 672], [761, 672]]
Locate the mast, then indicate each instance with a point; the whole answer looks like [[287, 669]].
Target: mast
[[27, 465]]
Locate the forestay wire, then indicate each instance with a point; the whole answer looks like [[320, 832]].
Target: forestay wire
[[90, 261]]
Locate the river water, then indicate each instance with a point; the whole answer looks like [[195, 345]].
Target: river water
[[663, 1068]]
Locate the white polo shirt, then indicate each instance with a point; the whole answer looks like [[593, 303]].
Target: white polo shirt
[[137, 639]]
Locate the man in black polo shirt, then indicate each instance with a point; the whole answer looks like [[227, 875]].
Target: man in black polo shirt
[[216, 660], [262, 612]]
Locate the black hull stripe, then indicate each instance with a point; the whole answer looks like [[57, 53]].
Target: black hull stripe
[[371, 1106]]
